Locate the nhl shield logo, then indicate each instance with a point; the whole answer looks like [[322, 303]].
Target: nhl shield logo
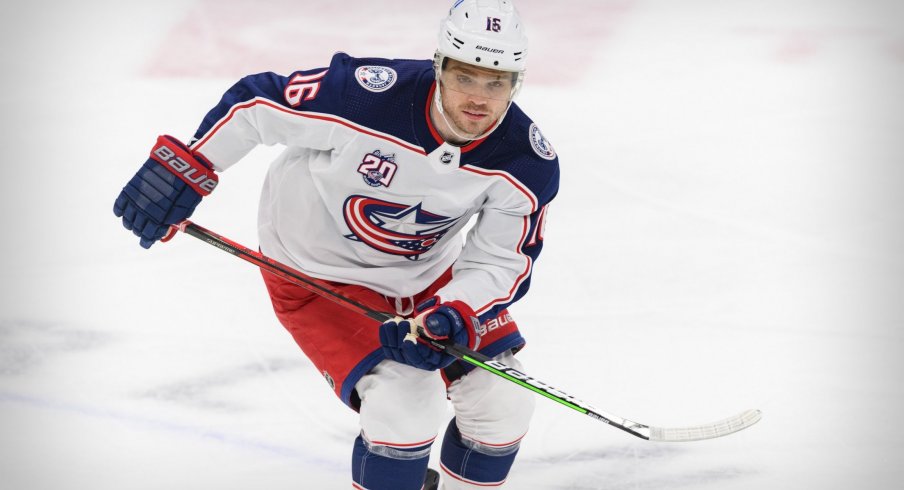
[[540, 144], [447, 157], [376, 78]]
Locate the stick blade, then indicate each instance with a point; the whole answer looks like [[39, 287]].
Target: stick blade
[[707, 431]]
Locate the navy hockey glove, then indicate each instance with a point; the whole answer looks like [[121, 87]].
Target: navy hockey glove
[[164, 191], [453, 321]]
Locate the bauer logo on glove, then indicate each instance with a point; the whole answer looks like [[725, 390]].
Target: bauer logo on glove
[[176, 161]]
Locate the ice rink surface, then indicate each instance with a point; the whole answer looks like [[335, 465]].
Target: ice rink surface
[[728, 235]]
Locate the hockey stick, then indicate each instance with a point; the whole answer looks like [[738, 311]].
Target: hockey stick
[[691, 433]]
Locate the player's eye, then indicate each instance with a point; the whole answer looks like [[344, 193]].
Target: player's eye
[[463, 79]]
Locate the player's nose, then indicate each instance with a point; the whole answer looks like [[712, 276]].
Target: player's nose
[[478, 99]]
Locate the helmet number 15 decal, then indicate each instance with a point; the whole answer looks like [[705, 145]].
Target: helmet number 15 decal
[[494, 24], [303, 87]]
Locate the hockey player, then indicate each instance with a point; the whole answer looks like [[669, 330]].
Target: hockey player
[[385, 163]]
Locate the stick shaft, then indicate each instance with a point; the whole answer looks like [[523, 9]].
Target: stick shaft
[[460, 352], [469, 356], [318, 286]]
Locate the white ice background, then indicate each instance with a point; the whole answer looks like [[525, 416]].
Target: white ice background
[[728, 235]]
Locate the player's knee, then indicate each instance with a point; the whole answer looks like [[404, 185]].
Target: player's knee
[[400, 405], [505, 421], [492, 410]]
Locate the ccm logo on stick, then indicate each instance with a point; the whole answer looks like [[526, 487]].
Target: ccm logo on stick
[[185, 170]]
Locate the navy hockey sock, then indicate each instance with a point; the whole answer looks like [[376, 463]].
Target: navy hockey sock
[[474, 462], [378, 467]]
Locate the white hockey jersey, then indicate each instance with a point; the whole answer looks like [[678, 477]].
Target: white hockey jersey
[[367, 192]]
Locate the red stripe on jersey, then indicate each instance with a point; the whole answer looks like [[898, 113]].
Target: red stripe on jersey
[[309, 115], [436, 136]]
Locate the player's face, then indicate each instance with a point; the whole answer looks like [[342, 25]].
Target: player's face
[[473, 97]]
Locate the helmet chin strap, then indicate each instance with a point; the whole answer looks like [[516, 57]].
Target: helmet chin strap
[[438, 101]]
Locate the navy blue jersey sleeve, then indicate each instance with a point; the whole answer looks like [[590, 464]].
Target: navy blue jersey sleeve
[[267, 108]]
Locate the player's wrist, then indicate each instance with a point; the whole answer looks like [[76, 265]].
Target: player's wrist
[[178, 159]]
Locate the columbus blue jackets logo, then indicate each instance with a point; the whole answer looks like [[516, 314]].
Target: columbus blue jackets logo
[[376, 78], [396, 229], [541, 145]]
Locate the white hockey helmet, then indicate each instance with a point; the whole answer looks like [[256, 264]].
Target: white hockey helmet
[[485, 33]]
